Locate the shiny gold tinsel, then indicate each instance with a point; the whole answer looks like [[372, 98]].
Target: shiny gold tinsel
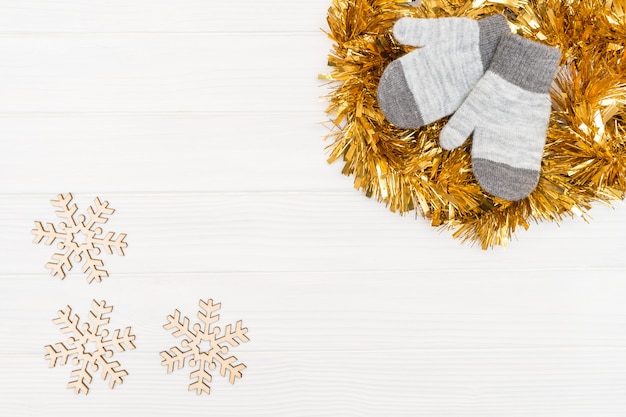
[[585, 154]]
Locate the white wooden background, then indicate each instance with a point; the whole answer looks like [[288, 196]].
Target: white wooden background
[[199, 121]]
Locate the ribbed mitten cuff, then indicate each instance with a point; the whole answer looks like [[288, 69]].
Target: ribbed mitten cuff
[[491, 30], [525, 63]]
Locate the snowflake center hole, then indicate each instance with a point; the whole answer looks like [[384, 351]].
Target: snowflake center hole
[[204, 346], [79, 238], [90, 347]]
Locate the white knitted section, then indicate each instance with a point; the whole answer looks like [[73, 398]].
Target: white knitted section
[[510, 122], [442, 72], [422, 32]]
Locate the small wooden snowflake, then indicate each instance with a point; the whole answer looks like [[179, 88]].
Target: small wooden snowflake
[[79, 239], [90, 347], [205, 347]]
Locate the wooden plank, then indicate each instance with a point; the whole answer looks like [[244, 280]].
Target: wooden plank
[[188, 233], [111, 16], [439, 383], [339, 312], [130, 73], [166, 153]]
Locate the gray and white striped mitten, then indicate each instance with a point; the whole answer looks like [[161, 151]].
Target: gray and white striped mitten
[[508, 111], [431, 82]]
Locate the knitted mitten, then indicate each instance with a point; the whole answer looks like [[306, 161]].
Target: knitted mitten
[[508, 110], [432, 81]]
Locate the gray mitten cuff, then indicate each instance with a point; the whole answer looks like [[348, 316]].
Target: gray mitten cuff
[[525, 63], [491, 29]]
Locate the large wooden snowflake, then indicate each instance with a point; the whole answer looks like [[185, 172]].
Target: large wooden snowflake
[[90, 347], [203, 347], [79, 239]]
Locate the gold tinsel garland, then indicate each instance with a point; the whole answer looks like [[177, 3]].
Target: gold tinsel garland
[[585, 154]]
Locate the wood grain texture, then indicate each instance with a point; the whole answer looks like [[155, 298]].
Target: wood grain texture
[[343, 312], [181, 16], [199, 121], [178, 233], [190, 153], [435, 383], [162, 73]]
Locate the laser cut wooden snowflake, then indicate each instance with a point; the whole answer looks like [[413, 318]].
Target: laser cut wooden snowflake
[[79, 239], [193, 346], [89, 347]]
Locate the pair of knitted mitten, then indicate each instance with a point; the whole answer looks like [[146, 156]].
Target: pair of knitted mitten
[[496, 83]]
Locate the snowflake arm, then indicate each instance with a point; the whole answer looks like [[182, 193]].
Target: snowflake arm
[[109, 371], [233, 338], [201, 379], [176, 357], [66, 211], [226, 365], [99, 214], [68, 322], [50, 234], [59, 352], [91, 265], [97, 315], [181, 327], [206, 315], [83, 379], [60, 264], [109, 242], [118, 342]]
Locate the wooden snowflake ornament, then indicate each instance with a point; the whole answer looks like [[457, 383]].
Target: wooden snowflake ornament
[[90, 347], [204, 347], [79, 239]]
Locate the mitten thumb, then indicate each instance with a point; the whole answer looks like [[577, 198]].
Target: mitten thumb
[[459, 128]]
